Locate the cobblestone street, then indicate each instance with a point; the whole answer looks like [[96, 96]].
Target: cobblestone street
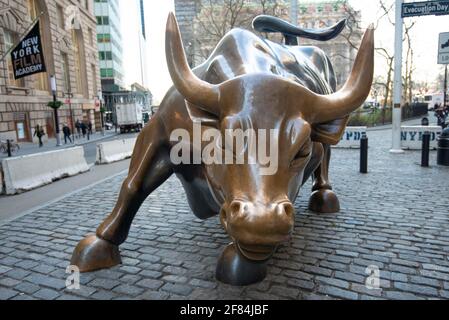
[[395, 218]]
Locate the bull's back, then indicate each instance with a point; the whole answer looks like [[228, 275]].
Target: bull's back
[[241, 52]]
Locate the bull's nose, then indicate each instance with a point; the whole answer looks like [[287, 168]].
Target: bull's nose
[[239, 209], [254, 223]]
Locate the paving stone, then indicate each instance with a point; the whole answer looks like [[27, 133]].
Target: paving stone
[[339, 293], [170, 254], [333, 282], [180, 289], [6, 294], [27, 287], [128, 290], [417, 289], [46, 294], [4, 269], [107, 284], [46, 281], [401, 295], [150, 284]]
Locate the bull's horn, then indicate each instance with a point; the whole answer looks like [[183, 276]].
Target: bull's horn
[[194, 90], [325, 108]]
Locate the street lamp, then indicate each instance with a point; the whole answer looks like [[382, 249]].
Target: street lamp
[[55, 110]]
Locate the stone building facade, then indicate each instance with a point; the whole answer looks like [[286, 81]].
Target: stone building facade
[[341, 50], [68, 31]]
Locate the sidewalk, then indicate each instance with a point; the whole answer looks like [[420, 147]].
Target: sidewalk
[[28, 148], [414, 122]]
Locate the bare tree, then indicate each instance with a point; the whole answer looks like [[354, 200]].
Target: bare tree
[[218, 17], [387, 12], [387, 84]]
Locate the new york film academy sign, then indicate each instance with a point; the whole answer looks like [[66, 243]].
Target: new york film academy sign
[[28, 57]]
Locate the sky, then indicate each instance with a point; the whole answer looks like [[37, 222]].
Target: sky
[[425, 41]]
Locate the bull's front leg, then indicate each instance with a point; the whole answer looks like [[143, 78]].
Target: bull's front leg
[[150, 167], [323, 199]]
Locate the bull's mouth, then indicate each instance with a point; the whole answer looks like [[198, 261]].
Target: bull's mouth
[[256, 253]]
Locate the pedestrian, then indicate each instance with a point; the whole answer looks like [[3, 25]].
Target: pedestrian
[[89, 130], [39, 133], [67, 133], [78, 128], [83, 129]]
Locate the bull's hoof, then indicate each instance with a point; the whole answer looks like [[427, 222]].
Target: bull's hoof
[[234, 269], [94, 253], [324, 201]]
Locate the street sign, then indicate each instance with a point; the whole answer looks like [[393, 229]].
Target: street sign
[[443, 48], [425, 8]]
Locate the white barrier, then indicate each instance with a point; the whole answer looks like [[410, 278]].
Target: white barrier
[[1, 181], [28, 172], [351, 138], [113, 151], [411, 137]]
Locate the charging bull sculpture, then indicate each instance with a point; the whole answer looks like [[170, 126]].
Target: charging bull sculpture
[[247, 82]]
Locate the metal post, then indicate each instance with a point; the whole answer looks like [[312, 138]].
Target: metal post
[[425, 150], [397, 94], [8, 145], [55, 110], [445, 86], [294, 12], [364, 154]]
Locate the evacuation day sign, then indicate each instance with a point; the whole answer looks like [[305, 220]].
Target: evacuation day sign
[[28, 57]]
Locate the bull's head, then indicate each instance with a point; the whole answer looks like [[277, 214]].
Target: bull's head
[[257, 210]]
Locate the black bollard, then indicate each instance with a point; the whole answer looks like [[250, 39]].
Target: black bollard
[[8, 144], [425, 149], [443, 148], [364, 154]]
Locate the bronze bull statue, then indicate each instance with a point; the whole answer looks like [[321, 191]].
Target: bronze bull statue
[[248, 82]]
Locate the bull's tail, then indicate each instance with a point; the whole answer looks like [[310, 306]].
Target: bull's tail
[[270, 24]]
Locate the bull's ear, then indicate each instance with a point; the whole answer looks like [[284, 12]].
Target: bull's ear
[[199, 115], [329, 133]]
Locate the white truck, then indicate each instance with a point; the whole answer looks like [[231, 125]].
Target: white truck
[[129, 117]]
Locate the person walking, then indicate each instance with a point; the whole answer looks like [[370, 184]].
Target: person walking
[[67, 133], [39, 133], [89, 130], [78, 128], [83, 129]]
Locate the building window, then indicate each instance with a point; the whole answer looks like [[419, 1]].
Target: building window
[[41, 78], [107, 73], [60, 15], [80, 67], [11, 38], [104, 38], [66, 72], [103, 20]]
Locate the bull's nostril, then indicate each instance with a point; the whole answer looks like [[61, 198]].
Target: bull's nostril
[[235, 207], [286, 209], [289, 210]]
